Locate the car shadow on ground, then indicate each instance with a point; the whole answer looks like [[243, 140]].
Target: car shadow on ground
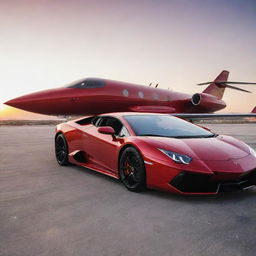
[[94, 173], [227, 196], [210, 198]]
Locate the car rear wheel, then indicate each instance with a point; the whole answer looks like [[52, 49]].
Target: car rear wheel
[[61, 149], [132, 170]]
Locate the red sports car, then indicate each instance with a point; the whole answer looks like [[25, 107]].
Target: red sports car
[[157, 151]]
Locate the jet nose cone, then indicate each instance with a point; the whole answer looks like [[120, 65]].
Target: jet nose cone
[[13, 103], [20, 102], [48, 102], [31, 102]]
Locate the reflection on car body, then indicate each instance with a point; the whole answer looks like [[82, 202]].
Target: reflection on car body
[[157, 151]]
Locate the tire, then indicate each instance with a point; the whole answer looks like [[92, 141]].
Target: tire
[[61, 150], [132, 170]]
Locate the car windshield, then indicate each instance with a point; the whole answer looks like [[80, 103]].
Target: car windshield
[[165, 126]]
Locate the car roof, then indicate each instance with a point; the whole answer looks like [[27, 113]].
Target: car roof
[[120, 114], [117, 115]]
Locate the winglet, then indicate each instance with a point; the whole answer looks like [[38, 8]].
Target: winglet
[[254, 110]]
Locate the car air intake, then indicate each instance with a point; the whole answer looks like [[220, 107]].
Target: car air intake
[[189, 182]]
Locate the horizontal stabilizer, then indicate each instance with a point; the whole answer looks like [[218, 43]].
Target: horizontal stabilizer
[[236, 88], [213, 88], [227, 84]]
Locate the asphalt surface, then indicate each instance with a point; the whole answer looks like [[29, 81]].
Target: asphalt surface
[[46, 209]]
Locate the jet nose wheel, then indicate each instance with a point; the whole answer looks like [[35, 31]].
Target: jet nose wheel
[[61, 150], [132, 170]]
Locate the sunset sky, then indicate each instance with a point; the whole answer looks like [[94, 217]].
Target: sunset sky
[[176, 43]]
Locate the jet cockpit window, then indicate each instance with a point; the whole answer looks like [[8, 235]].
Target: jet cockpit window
[[87, 83]]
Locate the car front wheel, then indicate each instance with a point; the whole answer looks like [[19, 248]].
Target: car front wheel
[[132, 170]]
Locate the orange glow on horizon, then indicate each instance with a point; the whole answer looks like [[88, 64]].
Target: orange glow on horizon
[[10, 113]]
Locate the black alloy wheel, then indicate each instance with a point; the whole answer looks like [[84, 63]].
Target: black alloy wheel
[[61, 149], [132, 170]]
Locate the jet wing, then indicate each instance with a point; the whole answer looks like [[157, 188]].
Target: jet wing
[[153, 109], [194, 116]]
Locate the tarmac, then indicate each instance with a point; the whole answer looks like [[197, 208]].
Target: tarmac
[[46, 209]]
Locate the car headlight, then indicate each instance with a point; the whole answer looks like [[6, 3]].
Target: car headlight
[[252, 151], [177, 158]]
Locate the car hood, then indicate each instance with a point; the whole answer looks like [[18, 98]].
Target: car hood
[[220, 148]]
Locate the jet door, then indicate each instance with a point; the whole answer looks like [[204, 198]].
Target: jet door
[[105, 152]]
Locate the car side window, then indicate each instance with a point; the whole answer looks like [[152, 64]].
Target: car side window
[[101, 121], [124, 132], [96, 121], [112, 122]]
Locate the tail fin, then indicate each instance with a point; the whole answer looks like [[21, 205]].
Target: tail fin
[[254, 110], [216, 89]]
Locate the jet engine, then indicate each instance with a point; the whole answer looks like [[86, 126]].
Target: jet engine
[[204, 101]]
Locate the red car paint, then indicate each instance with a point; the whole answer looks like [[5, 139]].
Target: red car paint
[[221, 158]]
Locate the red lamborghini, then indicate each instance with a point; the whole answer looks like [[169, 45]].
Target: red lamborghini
[[157, 151]]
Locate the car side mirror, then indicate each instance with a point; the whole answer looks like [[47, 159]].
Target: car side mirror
[[106, 130]]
